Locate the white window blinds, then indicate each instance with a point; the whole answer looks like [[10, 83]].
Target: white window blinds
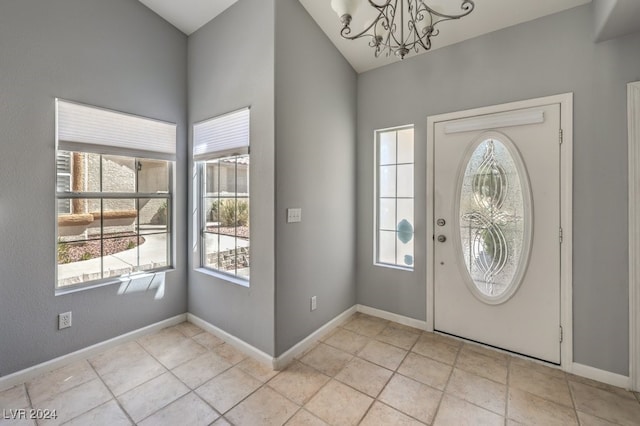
[[90, 129], [222, 136]]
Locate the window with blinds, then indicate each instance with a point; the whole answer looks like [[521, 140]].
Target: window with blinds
[[221, 154], [114, 191]]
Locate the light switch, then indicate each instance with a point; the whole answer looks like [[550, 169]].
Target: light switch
[[294, 215]]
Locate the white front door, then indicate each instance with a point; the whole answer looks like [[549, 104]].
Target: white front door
[[497, 230]]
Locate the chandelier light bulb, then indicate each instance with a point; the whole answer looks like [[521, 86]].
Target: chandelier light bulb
[[345, 7]]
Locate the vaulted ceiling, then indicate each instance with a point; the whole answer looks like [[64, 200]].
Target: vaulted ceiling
[[619, 16]]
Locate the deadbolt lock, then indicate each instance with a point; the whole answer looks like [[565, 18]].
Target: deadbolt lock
[[442, 238], [441, 222]]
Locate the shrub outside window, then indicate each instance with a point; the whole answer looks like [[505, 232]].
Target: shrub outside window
[[394, 198], [221, 156], [225, 218]]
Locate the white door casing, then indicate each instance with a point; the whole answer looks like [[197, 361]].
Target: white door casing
[[494, 190], [470, 129], [634, 233]]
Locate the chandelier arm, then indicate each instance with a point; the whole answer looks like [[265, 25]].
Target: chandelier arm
[[379, 6], [384, 45], [424, 41], [415, 16], [467, 6], [346, 29], [391, 22], [383, 31]]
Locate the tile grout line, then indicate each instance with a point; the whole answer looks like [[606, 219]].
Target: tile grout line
[[168, 370], [366, 412], [29, 402], [455, 361], [400, 374], [232, 365], [110, 392], [507, 391], [300, 407], [333, 377], [573, 399], [484, 378], [573, 402], [67, 390], [394, 373]]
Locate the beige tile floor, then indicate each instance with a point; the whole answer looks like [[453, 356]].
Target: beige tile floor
[[368, 371]]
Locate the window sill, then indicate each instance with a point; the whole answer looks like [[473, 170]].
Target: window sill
[[61, 291], [224, 277], [399, 268]]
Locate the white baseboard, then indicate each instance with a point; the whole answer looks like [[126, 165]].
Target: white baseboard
[[400, 319], [283, 360], [278, 363], [601, 375], [30, 373], [232, 340]]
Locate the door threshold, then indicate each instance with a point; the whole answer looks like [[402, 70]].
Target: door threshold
[[500, 350]]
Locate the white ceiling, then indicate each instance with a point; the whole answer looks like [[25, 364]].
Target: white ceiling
[[188, 15], [488, 16]]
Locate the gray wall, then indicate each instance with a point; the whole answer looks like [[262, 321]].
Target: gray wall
[[227, 73], [547, 56], [115, 54], [615, 18], [315, 171]]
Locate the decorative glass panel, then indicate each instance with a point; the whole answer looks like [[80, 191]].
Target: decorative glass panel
[[405, 211], [387, 148], [388, 181], [388, 214], [493, 226], [405, 146], [405, 254], [405, 181], [387, 247], [395, 191]]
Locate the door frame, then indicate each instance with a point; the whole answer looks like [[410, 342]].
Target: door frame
[[566, 207], [633, 101]]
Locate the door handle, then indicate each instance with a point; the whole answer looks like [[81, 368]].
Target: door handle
[[442, 238]]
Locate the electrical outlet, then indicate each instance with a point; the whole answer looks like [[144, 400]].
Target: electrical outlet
[[64, 320], [314, 303]]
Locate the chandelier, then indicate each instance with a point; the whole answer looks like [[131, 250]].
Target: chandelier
[[399, 26]]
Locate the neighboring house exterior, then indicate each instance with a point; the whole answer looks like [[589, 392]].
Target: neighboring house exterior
[[80, 172]]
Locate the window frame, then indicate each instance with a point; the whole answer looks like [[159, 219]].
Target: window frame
[[136, 197], [202, 219], [223, 136], [66, 174], [166, 152], [377, 198]]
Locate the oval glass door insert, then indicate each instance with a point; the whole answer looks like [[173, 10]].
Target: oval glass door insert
[[494, 218]]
